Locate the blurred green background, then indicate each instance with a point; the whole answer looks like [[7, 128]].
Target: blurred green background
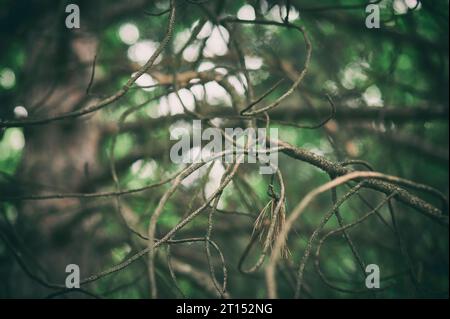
[[389, 85]]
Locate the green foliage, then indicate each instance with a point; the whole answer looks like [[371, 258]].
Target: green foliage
[[404, 65]]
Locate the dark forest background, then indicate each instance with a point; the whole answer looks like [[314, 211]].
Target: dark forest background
[[84, 148]]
